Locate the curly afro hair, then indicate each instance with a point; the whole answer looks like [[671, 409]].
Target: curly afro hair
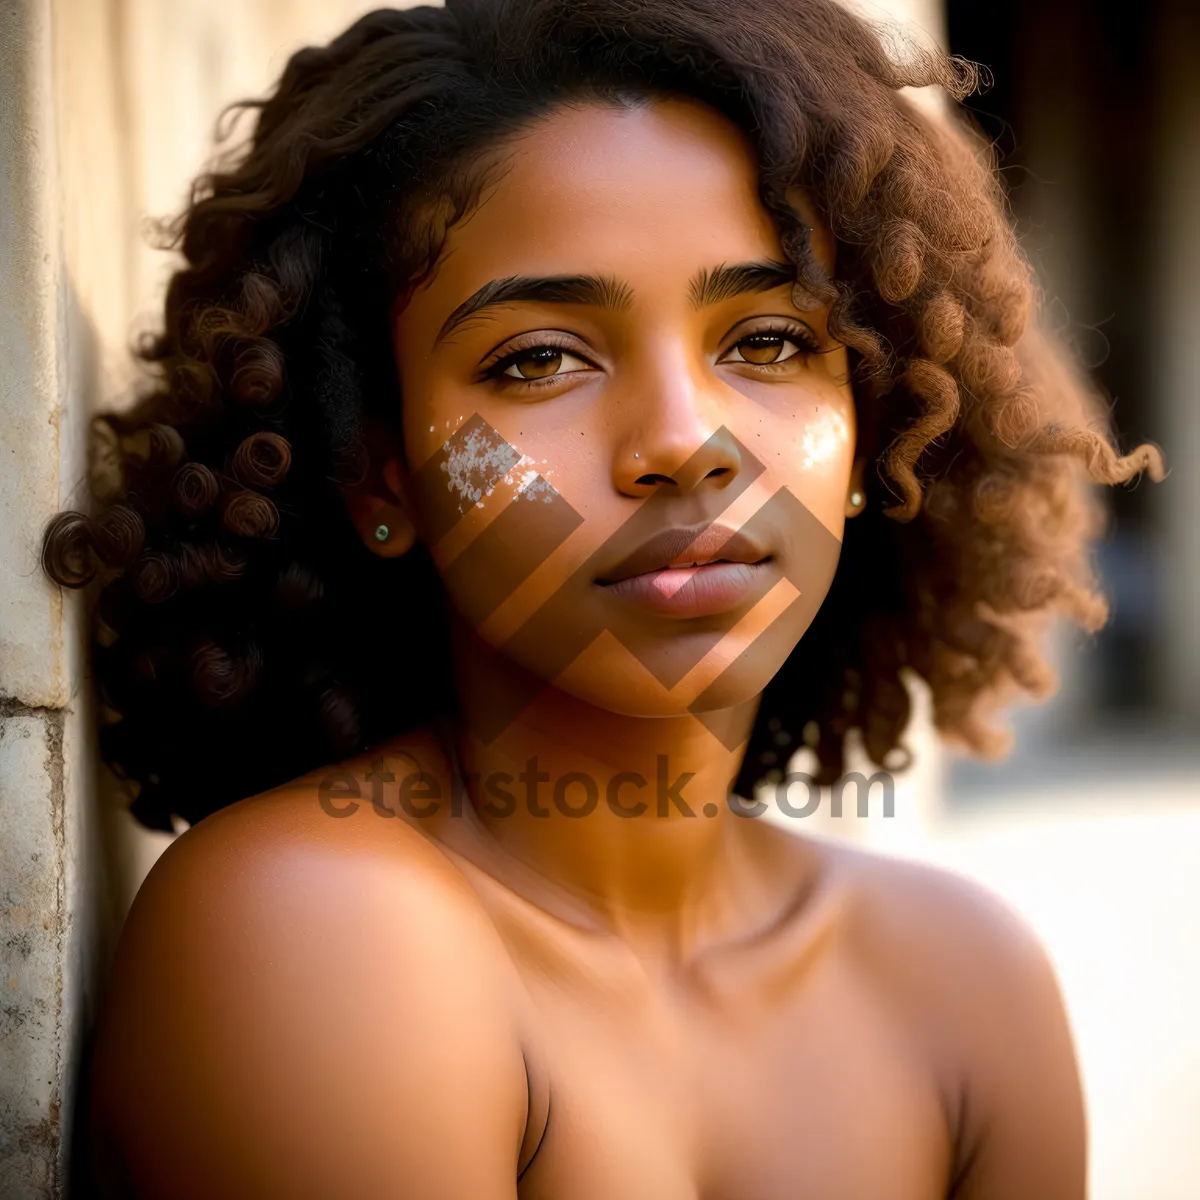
[[237, 613]]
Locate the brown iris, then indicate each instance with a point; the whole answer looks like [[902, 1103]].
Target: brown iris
[[761, 347], [539, 362]]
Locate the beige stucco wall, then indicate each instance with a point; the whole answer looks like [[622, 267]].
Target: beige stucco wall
[[48, 855]]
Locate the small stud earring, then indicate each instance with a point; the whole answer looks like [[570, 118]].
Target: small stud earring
[[856, 499], [382, 533]]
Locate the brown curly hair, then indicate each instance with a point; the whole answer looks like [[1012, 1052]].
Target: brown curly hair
[[238, 614]]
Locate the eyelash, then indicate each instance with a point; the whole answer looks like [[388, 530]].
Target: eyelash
[[800, 335], [542, 341]]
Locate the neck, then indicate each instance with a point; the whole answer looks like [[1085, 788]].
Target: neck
[[629, 815]]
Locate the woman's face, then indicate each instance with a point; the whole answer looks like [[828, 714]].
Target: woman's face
[[606, 378]]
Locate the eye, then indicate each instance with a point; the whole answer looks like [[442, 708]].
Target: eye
[[537, 362], [771, 347]]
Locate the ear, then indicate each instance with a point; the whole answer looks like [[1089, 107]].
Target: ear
[[856, 496], [380, 509]]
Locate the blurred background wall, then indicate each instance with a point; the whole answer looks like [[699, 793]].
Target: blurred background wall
[[1093, 825], [1091, 829]]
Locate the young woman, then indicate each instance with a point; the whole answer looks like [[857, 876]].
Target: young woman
[[568, 409]]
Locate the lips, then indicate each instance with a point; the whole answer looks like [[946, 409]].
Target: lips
[[685, 546], [692, 571]]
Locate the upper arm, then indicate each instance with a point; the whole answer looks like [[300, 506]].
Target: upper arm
[[286, 1020], [1021, 1127]]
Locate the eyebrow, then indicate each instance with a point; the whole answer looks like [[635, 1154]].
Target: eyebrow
[[710, 286], [715, 284]]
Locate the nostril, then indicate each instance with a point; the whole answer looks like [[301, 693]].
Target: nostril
[[654, 479], [717, 471]]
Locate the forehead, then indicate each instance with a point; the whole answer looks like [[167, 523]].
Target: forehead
[[647, 193]]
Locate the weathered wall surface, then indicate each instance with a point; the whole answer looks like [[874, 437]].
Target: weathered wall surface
[[35, 933]]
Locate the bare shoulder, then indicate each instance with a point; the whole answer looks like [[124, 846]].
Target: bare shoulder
[[305, 867], [972, 982], [324, 816], [930, 914], [319, 996], [941, 943]]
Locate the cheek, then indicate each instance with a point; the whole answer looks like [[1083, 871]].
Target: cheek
[[822, 446], [808, 447], [508, 499], [487, 447], [430, 417]]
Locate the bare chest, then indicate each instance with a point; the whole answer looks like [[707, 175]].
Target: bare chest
[[681, 1094]]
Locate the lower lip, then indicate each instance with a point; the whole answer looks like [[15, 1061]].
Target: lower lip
[[700, 591]]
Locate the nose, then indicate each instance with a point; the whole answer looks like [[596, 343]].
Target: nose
[[675, 437]]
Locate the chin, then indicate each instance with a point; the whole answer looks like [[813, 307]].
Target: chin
[[611, 678]]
